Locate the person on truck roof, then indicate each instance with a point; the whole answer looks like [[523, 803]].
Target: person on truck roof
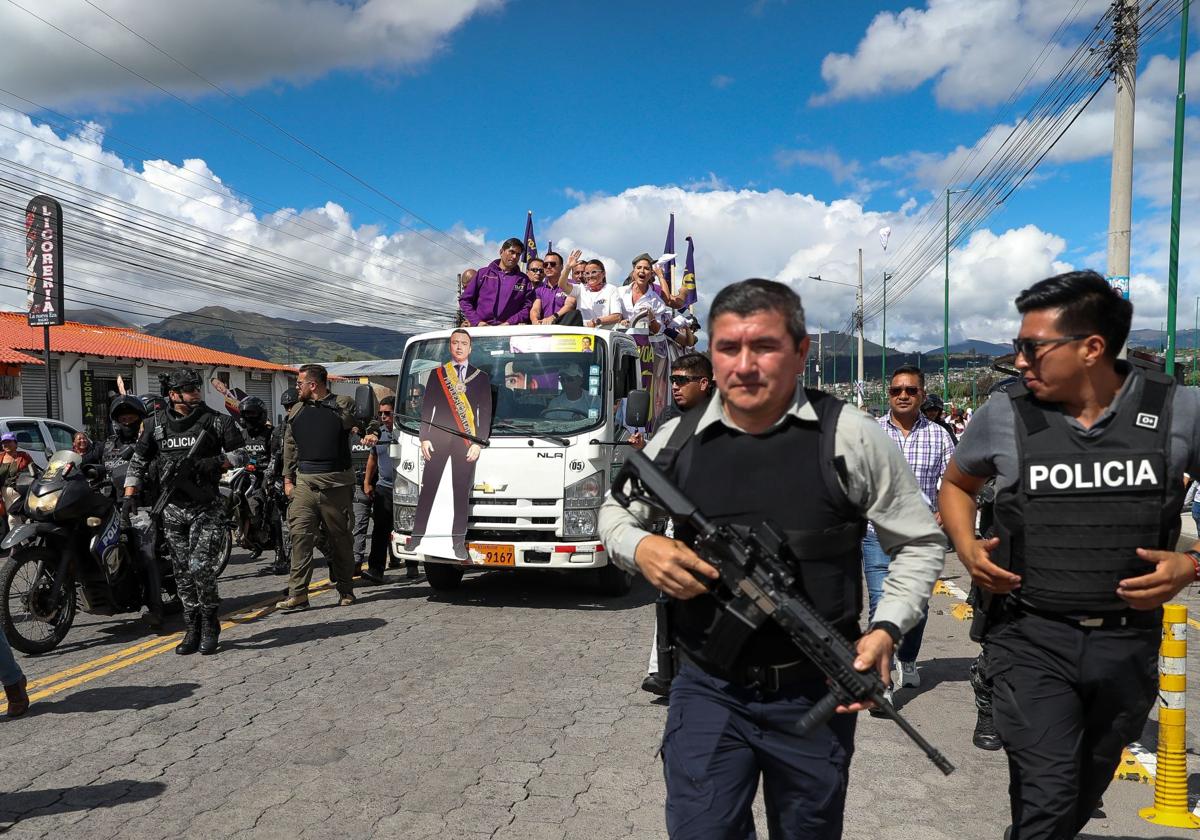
[[499, 293]]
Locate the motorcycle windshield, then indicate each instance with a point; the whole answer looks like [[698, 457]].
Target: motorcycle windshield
[[59, 462]]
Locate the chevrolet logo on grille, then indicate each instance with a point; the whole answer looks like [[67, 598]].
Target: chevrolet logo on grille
[[489, 489]]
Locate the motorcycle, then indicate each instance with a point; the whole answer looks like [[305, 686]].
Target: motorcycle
[[252, 526], [72, 552]]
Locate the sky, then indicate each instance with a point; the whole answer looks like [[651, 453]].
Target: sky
[[782, 135]]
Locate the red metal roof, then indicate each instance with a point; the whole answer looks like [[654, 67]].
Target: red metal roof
[[90, 340]]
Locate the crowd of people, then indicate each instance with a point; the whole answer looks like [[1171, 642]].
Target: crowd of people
[[574, 293]]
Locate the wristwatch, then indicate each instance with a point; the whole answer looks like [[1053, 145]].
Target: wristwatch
[[886, 626], [1195, 555]]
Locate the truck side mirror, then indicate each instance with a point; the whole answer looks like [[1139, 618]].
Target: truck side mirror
[[365, 405], [627, 373], [637, 409]]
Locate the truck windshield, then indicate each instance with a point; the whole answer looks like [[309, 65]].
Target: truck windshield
[[541, 383]]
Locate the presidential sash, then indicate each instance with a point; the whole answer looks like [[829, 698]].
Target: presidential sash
[[455, 390]]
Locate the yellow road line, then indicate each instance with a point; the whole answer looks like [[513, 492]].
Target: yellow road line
[[93, 669]]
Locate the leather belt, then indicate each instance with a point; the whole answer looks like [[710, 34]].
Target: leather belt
[[763, 677], [1106, 621]]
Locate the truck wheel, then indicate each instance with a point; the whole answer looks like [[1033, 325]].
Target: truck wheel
[[443, 577], [613, 581]]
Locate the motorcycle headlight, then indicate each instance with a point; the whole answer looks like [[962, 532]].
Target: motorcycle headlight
[[579, 524], [405, 491], [588, 492], [43, 505]]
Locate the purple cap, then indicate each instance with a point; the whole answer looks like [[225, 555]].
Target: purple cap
[[8, 436]]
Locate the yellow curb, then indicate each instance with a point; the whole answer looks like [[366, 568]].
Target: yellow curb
[[1130, 769], [962, 611]]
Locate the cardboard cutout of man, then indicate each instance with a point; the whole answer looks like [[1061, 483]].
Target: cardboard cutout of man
[[457, 396]]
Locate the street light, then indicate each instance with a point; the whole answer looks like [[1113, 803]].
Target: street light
[[946, 309], [883, 344], [858, 315]]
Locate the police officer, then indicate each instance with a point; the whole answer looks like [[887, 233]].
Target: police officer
[[1088, 454], [360, 508], [282, 563], [377, 485], [193, 519], [318, 479], [255, 456], [728, 726]]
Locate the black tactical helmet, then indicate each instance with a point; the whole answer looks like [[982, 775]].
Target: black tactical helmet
[[126, 402], [252, 408], [290, 397], [182, 378], [154, 402]]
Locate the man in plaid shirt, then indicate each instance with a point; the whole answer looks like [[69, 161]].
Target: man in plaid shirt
[[927, 447]]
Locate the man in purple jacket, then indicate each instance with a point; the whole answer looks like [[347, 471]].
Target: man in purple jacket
[[499, 293]]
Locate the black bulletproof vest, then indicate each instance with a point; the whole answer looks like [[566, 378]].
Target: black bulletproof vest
[[1071, 522], [787, 476], [258, 445], [174, 435], [359, 452], [322, 444]]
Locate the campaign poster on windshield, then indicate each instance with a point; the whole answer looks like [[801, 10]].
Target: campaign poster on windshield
[[455, 423]]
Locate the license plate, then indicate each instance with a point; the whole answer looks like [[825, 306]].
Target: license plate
[[496, 555]]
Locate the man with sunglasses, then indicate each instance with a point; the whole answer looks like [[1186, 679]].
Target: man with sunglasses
[[194, 519], [595, 298], [551, 304], [1089, 455], [377, 486], [927, 448]]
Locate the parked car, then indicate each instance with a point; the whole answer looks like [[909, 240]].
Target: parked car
[[39, 436]]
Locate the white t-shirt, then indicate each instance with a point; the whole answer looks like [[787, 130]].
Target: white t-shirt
[[650, 302], [593, 305]]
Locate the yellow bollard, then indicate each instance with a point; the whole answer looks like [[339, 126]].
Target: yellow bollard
[[1170, 781]]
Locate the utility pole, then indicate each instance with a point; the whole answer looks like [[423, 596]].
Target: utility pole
[[1176, 193], [883, 342], [946, 305], [1195, 330], [821, 351], [858, 315], [1123, 65]]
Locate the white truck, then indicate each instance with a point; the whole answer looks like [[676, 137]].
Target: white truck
[[539, 483]]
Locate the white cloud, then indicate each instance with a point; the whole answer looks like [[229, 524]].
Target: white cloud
[[382, 271], [237, 43], [975, 51], [827, 159]]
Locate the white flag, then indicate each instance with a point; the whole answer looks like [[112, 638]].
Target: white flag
[[884, 233]]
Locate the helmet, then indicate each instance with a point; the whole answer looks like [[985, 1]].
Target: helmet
[[182, 378], [289, 398], [933, 402], [126, 402], [154, 402], [253, 409]]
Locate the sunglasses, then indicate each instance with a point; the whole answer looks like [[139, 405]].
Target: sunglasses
[[681, 379], [537, 271], [1028, 347], [897, 390], [553, 265]]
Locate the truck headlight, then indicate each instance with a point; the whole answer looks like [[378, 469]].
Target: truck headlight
[[586, 493], [579, 524], [403, 518], [404, 492]]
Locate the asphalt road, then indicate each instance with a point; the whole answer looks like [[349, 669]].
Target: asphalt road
[[510, 708]]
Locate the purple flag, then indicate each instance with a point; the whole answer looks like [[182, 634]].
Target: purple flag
[[530, 242], [669, 248], [689, 276]]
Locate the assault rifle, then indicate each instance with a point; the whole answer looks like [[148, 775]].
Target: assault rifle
[[172, 475], [756, 585]]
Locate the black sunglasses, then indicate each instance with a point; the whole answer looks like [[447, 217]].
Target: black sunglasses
[[1028, 347], [537, 271], [897, 390], [683, 379]]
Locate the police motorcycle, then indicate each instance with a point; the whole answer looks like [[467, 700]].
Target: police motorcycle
[[246, 487], [72, 553]]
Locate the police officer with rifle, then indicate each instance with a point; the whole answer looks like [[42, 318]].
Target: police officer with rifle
[[748, 699], [1089, 454], [181, 448]]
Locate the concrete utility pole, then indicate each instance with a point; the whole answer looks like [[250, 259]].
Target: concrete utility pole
[[858, 316], [1177, 191], [1124, 70]]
